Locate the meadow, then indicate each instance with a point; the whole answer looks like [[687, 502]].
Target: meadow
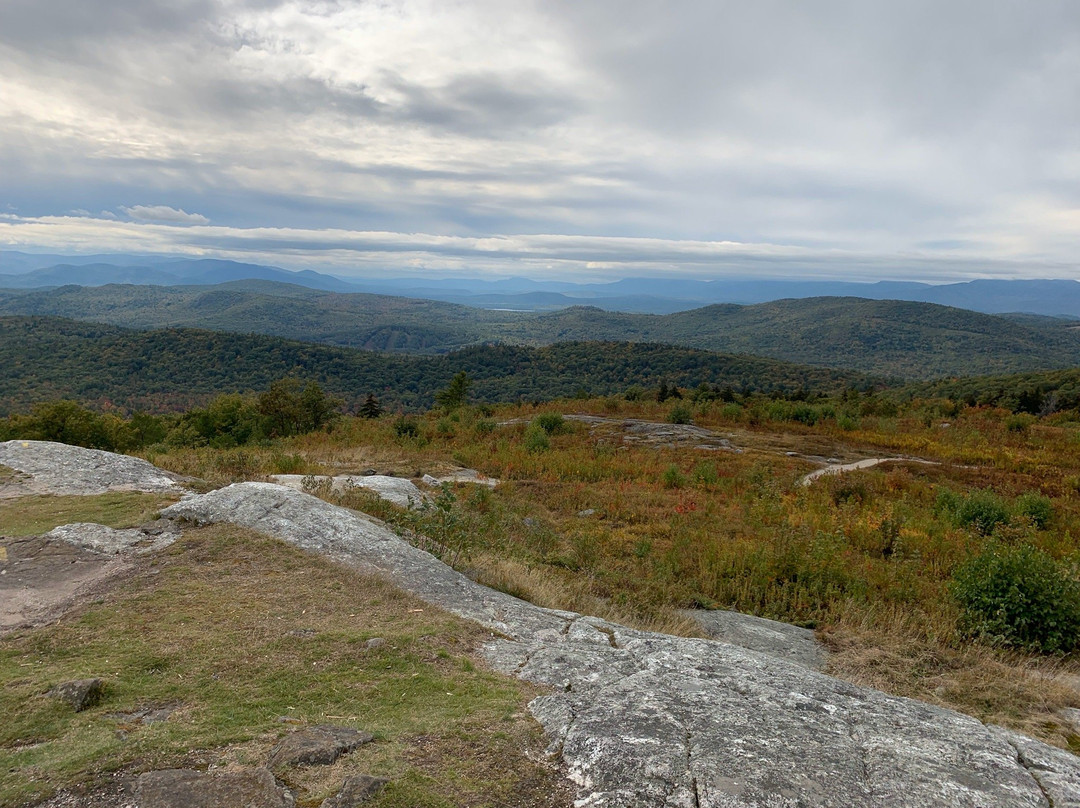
[[593, 517], [950, 576]]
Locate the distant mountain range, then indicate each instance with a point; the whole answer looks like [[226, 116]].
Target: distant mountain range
[[888, 338], [1055, 298], [194, 272]]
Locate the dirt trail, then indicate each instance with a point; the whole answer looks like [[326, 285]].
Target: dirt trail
[[840, 468]]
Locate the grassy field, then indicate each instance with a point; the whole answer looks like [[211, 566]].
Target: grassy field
[[27, 516], [587, 518], [239, 632]]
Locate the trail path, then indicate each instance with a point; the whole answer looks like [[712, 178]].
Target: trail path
[[841, 468]]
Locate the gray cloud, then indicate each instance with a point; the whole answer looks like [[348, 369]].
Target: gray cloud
[[869, 132], [163, 213]]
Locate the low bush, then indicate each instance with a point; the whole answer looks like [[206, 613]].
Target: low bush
[[1018, 596], [1036, 507], [536, 439], [680, 414], [406, 428], [982, 511], [551, 422], [673, 478]]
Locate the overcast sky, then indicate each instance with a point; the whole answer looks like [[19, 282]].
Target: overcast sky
[[577, 139]]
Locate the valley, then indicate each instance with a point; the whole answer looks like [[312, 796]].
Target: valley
[[885, 338]]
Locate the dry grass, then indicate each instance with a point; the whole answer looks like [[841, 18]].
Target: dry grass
[[858, 557], [996, 686], [545, 587]]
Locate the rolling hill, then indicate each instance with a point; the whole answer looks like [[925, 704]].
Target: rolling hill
[[48, 358], [884, 337]]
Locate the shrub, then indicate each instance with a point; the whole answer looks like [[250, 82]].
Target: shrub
[[1018, 596], [706, 473], [731, 412], [843, 489], [673, 478], [847, 422], [946, 503], [981, 511], [484, 427], [1035, 507], [536, 439], [680, 414], [550, 422], [1019, 422], [405, 428], [287, 463]]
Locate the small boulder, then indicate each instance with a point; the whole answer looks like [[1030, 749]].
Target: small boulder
[[81, 694], [182, 788], [320, 745], [356, 790]]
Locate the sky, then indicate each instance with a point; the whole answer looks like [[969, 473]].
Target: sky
[[571, 139]]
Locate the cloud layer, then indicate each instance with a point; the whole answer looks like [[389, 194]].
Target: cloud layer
[[833, 138]]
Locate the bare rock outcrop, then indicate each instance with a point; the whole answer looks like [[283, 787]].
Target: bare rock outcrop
[[758, 634], [111, 541], [42, 576], [645, 719], [182, 788], [317, 746], [56, 468]]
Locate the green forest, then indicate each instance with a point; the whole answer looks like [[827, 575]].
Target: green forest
[[896, 339], [46, 359]]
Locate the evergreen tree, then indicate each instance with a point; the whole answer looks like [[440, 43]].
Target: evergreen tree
[[456, 393], [371, 407]]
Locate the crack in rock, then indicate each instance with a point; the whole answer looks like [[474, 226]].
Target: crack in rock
[[1034, 776]]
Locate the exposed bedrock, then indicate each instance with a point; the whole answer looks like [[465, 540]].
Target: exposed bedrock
[[644, 719], [56, 468]]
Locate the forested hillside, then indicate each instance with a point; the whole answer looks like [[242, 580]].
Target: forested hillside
[[888, 338], [46, 358], [1037, 393], [374, 322]]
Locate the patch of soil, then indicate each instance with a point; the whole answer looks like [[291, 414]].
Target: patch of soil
[[41, 578], [115, 794]]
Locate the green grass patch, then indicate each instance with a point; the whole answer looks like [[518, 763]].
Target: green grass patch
[[27, 516], [239, 630]]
